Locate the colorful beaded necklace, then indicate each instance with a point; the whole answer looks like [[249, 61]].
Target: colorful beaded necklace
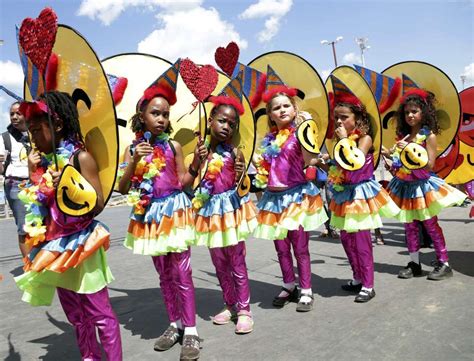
[[146, 171], [270, 147], [39, 190], [221, 157]]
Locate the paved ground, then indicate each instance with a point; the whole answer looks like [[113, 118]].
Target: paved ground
[[408, 319]]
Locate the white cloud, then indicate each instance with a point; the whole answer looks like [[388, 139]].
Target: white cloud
[[187, 34], [275, 10], [11, 75], [351, 58], [469, 72], [109, 10]]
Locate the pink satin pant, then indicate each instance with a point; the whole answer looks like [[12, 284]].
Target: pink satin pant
[[298, 239], [88, 312], [435, 232], [177, 286], [231, 271], [358, 247]]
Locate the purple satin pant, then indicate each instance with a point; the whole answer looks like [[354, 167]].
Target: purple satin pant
[[86, 312], [358, 247], [298, 239], [435, 232], [177, 286], [231, 271]]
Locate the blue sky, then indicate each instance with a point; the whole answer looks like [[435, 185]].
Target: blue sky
[[438, 32]]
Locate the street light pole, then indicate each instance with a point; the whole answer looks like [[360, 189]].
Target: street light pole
[[332, 43], [463, 80], [362, 42]]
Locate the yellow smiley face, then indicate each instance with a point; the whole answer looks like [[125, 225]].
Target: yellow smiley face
[[414, 156], [75, 195], [348, 156], [307, 135]]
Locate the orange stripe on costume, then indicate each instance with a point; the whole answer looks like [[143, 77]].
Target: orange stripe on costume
[[180, 219], [59, 262], [310, 204], [364, 206], [218, 223], [421, 202]]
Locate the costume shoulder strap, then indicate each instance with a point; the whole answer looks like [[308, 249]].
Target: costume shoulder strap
[[7, 141], [75, 160], [8, 147], [172, 147]]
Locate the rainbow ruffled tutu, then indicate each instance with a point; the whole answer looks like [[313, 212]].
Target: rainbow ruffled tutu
[[280, 212], [225, 220], [76, 262], [424, 198], [360, 206], [166, 226]]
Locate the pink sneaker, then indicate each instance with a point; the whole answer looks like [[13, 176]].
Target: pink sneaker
[[224, 317], [244, 322]]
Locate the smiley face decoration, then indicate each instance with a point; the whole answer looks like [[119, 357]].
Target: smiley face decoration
[[75, 196], [414, 156]]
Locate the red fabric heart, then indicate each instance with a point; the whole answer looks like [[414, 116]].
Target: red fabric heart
[[227, 57], [37, 37], [200, 80]]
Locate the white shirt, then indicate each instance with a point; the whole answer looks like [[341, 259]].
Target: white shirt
[[18, 166]]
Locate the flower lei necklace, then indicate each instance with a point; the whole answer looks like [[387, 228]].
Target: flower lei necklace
[[147, 170], [38, 191], [270, 147], [336, 174], [400, 171], [222, 156]]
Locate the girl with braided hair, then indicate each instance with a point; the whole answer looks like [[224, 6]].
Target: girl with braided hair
[[67, 249]]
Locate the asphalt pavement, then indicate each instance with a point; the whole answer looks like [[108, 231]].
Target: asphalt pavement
[[414, 319]]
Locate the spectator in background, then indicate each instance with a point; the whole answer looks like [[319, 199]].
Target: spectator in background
[[14, 147]]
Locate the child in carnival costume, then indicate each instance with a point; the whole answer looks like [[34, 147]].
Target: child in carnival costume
[[358, 201], [224, 217], [161, 221], [419, 193], [291, 206]]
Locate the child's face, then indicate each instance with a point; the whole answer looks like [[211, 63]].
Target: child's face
[[16, 118], [38, 127], [156, 116], [344, 117], [223, 123], [413, 115], [282, 111]]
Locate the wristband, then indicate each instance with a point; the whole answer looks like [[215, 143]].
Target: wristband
[[193, 172]]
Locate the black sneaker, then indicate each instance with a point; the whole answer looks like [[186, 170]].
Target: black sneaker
[[364, 296], [190, 348], [350, 287], [440, 272], [411, 270], [291, 297], [168, 339]]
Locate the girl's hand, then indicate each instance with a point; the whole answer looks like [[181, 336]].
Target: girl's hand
[[305, 115], [385, 152], [325, 157], [56, 175], [239, 167], [402, 143], [34, 158], [341, 132], [141, 150], [201, 152]]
